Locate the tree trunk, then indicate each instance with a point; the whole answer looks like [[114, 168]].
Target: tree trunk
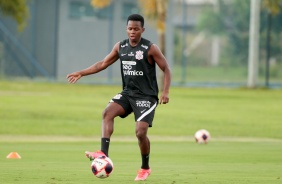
[[161, 9]]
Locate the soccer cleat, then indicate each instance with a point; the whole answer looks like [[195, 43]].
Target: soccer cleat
[[142, 174], [93, 155]]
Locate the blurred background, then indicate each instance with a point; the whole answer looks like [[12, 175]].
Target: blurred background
[[210, 43]]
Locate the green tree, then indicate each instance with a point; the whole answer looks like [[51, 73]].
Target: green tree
[[154, 10], [17, 9], [232, 21], [100, 3], [273, 6]]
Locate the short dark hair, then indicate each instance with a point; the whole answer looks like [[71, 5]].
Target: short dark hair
[[136, 17]]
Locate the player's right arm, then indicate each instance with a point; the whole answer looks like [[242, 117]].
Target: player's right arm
[[97, 67]]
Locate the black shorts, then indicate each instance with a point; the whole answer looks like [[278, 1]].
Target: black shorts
[[142, 107]]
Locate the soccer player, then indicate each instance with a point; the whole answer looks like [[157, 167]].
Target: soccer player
[[138, 59]]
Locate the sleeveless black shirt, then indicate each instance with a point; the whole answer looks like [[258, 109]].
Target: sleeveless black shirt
[[138, 75]]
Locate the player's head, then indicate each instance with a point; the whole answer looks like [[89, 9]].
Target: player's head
[[135, 27], [136, 17]]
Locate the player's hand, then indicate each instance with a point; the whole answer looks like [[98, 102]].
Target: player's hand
[[73, 77], [164, 99]]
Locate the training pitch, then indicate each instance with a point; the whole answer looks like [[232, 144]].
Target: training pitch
[[51, 125]]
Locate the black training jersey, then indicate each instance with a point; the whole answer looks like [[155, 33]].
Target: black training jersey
[[138, 75]]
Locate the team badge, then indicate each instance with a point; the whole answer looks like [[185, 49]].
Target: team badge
[[139, 55]]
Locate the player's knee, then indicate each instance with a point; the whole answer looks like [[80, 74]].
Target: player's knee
[[140, 134], [141, 130], [107, 114]]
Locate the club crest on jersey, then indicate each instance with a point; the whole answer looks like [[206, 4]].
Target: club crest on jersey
[[139, 55]]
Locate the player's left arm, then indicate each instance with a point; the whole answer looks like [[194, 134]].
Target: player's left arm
[[161, 61]]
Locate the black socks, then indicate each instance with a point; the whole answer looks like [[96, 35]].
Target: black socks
[[105, 143], [145, 161]]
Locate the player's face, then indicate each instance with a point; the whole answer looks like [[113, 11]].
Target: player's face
[[134, 30]]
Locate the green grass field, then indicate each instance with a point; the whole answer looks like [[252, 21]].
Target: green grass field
[[51, 125]]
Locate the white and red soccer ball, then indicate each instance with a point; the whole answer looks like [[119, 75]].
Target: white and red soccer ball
[[202, 136], [102, 167]]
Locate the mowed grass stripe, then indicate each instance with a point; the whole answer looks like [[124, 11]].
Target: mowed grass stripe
[[171, 163], [53, 109], [46, 139]]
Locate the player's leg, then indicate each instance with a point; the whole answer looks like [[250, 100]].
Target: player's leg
[[143, 142], [118, 106], [144, 145], [111, 111], [144, 111]]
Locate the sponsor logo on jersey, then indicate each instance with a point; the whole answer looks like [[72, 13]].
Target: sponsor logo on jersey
[[131, 54], [144, 46], [129, 62], [143, 103], [132, 72], [129, 68], [123, 54], [125, 45], [139, 55]]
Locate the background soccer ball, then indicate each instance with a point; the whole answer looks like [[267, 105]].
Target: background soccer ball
[[102, 167], [202, 136]]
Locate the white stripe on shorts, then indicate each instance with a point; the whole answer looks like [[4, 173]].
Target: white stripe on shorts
[[147, 112]]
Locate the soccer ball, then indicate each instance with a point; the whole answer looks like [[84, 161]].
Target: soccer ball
[[102, 167], [202, 136]]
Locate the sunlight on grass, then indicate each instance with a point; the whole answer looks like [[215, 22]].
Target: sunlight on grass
[[29, 108]]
